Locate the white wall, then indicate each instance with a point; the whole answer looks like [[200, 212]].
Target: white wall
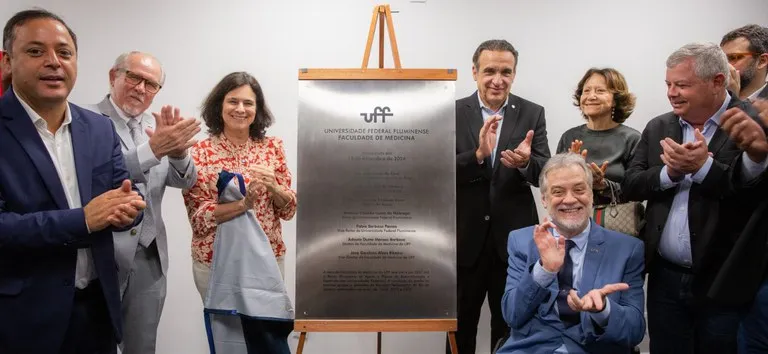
[[201, 41]]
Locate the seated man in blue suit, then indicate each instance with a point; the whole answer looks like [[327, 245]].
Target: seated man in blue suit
[[572, 286], [63, 190]]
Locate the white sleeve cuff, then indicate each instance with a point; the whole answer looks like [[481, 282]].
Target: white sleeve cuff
[[665, 181], [750, 169], [146, 157], [180, 164]]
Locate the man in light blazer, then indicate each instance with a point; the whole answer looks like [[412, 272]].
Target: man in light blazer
[[155, 150], [572, 286], [501, 145]]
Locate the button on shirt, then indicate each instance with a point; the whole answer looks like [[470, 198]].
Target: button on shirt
[[675, 244], [545, 278], [59, 146]]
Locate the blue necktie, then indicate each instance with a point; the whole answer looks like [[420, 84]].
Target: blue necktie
[[565, 281]]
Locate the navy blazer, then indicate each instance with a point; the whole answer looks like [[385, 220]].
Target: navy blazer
[[530, 310], [40, 235]]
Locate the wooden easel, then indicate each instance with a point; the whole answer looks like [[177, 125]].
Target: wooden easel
[[421, 325], [381, 13]]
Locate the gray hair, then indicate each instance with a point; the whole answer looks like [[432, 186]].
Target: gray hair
[[121, 63], [563, 160], [708, 60]]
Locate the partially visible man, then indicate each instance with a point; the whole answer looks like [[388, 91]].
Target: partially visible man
[[5, 83], [501, 145], [572, 286], [692, 176], [155, 151], [743, 278], [5, 78], [63, 190], [747, 51]]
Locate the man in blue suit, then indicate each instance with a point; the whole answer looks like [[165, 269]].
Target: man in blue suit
[[572, 286], [63, 190]]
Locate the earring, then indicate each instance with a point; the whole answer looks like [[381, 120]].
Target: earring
[[613, 109]]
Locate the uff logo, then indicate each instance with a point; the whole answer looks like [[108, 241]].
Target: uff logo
[[378, 113]]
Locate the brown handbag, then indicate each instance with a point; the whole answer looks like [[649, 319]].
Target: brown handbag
[[627, 218]]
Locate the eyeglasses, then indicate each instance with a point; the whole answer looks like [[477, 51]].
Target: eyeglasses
[[135, 79], [738, 56]]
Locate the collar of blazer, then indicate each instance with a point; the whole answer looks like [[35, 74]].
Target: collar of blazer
[[719, 138], [107, 109], [21, 126]]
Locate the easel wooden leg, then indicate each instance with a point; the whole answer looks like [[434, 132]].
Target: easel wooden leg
[[452, 340], [378, 342], [302, 338]]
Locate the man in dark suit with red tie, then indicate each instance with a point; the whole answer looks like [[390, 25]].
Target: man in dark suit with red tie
[[501, 147]]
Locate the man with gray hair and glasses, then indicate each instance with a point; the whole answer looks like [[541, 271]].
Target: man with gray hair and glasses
[[155, 149], [698, 184]]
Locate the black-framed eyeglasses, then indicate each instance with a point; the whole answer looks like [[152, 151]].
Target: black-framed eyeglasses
[[136, 79]]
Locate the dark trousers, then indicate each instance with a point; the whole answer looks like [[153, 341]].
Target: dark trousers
[[753, 331], [488, 277], [266, 337], [679, 322], [90, 329]]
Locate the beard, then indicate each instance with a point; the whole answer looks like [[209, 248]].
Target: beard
[[570, 226], [748, 74], [131, 111]]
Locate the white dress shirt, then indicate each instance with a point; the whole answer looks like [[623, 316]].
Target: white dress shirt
[[59, 146], [754, 95], [675, 243]]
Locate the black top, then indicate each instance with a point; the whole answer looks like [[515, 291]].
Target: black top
[[615, 145]]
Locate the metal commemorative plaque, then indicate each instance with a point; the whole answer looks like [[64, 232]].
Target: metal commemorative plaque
[[376, 223]]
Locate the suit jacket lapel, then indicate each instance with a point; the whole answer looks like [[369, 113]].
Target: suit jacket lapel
[[21, 126], [592, 258], [123, 132], [717, 141], [764, 93], [474, 118], [674, 130], [508, 127], [81, 144], [720, 137]]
